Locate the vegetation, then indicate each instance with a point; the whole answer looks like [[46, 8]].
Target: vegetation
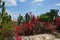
[[6, 24], [44, 23], [20, 18], [29, 24]]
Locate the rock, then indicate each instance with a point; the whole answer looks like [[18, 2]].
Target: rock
[[39, 37]]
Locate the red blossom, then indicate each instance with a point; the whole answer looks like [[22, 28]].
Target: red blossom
[[33, 26], [57, 21]]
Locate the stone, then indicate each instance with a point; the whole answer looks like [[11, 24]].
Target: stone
[[39, 37]]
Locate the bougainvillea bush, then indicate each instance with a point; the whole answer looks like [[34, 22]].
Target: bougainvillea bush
[[35, 26], [57, 23], [27, 28]]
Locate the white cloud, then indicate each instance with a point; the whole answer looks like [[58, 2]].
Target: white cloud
[[58, 4], [38, 0], [35, 1], [22, 0], [10, 2]]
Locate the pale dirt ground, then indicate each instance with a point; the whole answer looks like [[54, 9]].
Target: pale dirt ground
[[56, 39]]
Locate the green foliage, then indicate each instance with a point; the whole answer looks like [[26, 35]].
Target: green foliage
[[0, 3], [6, 24], [27, 17], [9, 17], [44, 17], [5, 19], [20, 18], [0, 0], [49, 16], [2, 13], [53, 13], [6, 34]]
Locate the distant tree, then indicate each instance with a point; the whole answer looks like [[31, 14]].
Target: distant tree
[[27, 17], [19, 20], [53, 13], [9, 17], [49, 16]]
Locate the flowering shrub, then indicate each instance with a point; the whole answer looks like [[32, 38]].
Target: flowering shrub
[[57, 23], [25, 28], [35, 26], [28, 28]]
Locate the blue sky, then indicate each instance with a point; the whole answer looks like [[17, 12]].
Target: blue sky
[[37, 7]]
